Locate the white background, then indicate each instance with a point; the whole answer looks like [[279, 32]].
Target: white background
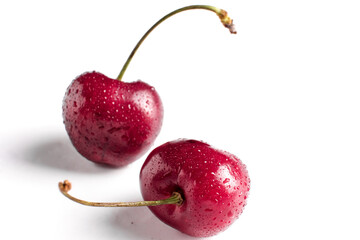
[[282, 95]]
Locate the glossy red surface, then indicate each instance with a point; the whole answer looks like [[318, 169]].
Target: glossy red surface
[[110, 121], [213, 183]]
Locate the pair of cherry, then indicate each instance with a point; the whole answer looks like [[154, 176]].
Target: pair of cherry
[[187, 184]]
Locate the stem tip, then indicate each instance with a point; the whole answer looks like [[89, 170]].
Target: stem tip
[[65, 186], [227, 21]]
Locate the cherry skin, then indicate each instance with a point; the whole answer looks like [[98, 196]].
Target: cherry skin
[[214, 186], [109, 121]]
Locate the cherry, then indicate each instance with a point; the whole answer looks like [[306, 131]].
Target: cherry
[[203, 189], [114, 122], [214, 186], [111, 122]]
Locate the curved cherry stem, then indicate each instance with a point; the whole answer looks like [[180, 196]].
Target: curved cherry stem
[[175, 198], [222, 14]]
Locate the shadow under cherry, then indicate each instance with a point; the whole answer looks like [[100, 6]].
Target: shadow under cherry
[[57, 152], [140, 223]]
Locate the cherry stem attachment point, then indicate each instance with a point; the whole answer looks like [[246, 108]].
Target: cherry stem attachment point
[[175, 198], [222, 14]]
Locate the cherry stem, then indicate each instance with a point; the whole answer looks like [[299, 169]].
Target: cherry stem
[[222, 14], [175, 198]]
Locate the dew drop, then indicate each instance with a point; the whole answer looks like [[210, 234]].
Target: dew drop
[[226, 180]]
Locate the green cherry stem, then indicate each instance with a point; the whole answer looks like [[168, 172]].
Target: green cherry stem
[[175, 198], [222, 14]]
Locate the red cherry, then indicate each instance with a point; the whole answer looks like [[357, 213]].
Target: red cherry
[[203, 189], [214, 186], [110, 121]]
